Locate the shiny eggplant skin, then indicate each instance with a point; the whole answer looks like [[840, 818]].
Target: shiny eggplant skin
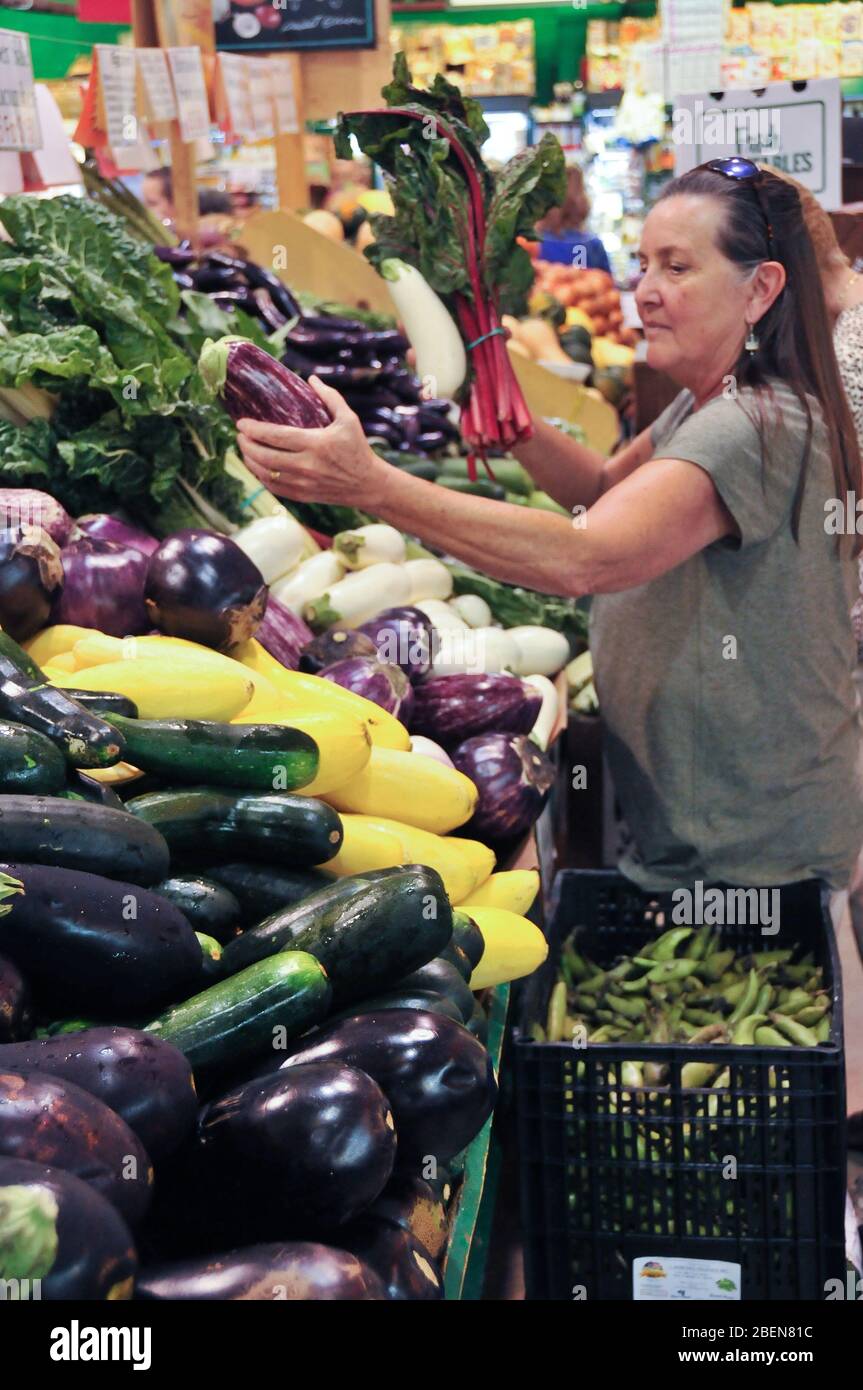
[[438, 1079], [453, 708], [88, 944], [405, 1267], [14, 1002], [146, 1081], [55, 1123], [290, 1271], [82, 835], [409, 1202], [296, 1152], [513, 777], [59, 1230]]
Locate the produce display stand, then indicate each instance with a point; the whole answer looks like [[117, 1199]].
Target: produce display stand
[[467, 1249], [314, 265]]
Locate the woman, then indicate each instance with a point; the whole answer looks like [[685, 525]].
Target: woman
[[562, 230], [843, 292], [721, 642]]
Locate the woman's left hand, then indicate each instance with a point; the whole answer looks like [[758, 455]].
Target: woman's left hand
[[334, 464]]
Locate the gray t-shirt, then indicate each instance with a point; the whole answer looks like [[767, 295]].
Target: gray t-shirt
[[726, 685]]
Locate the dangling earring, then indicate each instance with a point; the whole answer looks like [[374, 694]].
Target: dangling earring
[[751, 343]]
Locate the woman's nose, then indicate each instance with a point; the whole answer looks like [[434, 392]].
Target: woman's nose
[[646, 294]]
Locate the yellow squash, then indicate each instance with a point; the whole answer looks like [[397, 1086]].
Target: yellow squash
[[116, 775], [438, 852], [514, 890], [312, 691], [97, 648], [514, 947], [63, 661], [401, 786], [165, 689], [478, 855], [366, 846], [55, 641], [343, 740]]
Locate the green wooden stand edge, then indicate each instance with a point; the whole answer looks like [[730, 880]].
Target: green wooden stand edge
[[464, 1268]]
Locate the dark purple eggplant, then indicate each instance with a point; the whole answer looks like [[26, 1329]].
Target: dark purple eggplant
[[217, 278], [228, 300], [338, 375], [298, 362], [281, 296], [513, 777], [294, 1270], [371, 400], [298, 1151], [267, 311], [175, 255], [409, 1202], [451, 709], [44, 1119], [145, 1080], [406, 1269], [404, 637], [381, 682], [183, 280], [438, 1079], [319, 342], [14, 1003], [336, 644], [92, 944], [389, 435], [203, 587], [328, 321], [255, 386], [430, 441], [60, 1231], [225, 261], [31, 580]]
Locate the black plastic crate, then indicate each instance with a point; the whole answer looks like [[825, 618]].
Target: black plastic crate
[[609, 1174]]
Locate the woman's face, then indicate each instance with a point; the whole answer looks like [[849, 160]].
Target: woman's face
[[154, 198], [692, 300]]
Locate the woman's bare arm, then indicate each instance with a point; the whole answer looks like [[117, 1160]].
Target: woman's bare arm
[[570, 472]]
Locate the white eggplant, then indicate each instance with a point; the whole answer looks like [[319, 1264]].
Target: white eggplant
[[548, 710], [276, 544], [375, 544], [542, 650], [429, 579], [472, 610], [441, 360], [473, 651], [440, 613], [359, 596], [427, 748], [313, 577]]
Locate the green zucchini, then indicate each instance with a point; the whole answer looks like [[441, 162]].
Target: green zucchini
[[367, 934], [263, 757], [439, 977], [29, 762], [104, 702], [211, 958], [82, 738], [270, 1003], [455, 955], [467, 935], [420, 468], [262, 889], [212, 823], [70, 834], [477, 487], [209, 907], [507, 472]]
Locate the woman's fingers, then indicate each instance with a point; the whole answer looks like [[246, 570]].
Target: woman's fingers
[[265, 457], [332, 399], [285, 437]]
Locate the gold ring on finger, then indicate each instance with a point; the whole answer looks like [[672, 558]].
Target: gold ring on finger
[[274, 477]]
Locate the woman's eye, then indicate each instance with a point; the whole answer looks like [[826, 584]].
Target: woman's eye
[[676, 269]]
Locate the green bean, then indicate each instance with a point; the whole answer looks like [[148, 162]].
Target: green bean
[[797, 1032], [630, 1008], [714, 967], [743, 1034], [668, 943], [746, 1003], [769, 1037], [556, 1013]]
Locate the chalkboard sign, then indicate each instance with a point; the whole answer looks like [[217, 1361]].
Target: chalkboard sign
[[243, 25]]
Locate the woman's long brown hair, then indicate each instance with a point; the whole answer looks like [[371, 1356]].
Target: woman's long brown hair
[[795, 336]]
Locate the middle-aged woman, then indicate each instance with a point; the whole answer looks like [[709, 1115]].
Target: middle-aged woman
[[720, 632]]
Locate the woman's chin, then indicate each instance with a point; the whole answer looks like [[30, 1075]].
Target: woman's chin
[[660, 355]]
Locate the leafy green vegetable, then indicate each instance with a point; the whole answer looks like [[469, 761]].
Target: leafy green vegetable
[[512, 606], [88, 315]]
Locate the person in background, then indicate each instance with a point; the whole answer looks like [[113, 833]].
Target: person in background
[[157, 193], [562, 234], [843, 294]]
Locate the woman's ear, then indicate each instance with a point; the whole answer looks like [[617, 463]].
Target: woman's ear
[[768, 282]]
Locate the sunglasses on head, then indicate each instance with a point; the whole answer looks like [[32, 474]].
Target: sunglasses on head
[[746, 171]]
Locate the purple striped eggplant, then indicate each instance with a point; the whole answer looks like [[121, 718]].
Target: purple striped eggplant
[[404, 637], [450, 709], [283, 633], [254, 386], [379, 681], [513, 778]]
